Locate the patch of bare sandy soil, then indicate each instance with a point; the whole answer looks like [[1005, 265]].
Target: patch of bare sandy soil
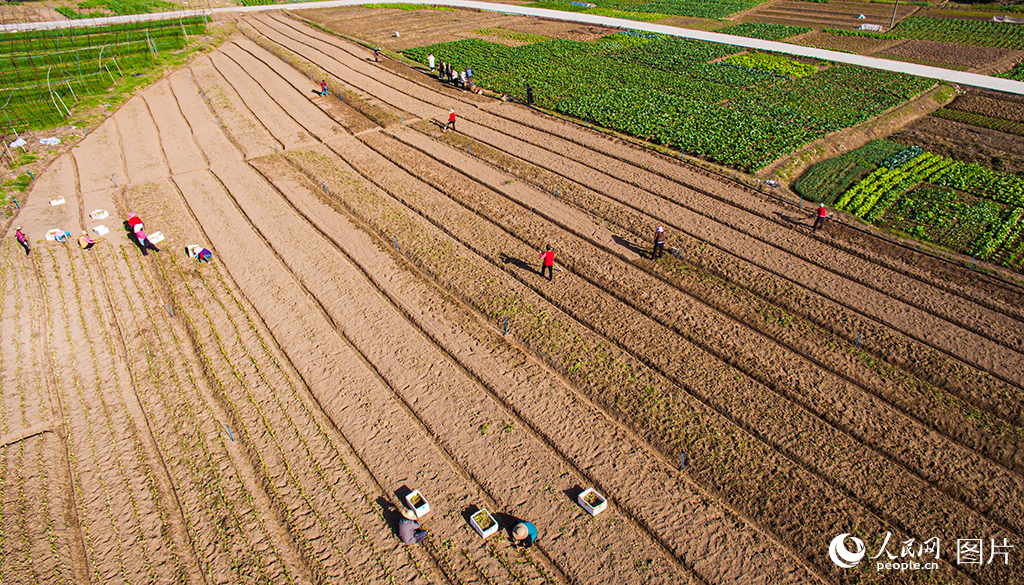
[[858, 45], [990, 148], [425, 27], [945, 54], [373, 322], [835, 14]]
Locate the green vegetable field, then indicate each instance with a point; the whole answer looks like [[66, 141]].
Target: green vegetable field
[[961, 206], [676, 92], [44, 73]]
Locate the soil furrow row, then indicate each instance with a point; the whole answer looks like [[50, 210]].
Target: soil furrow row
[[251, 139], [974, 423], [536, 391], [993, 354], [218, 490], [154, 546], [793, 433], [159, 476], [321, 435], [602, 156], [286, 444], [363, 425], [396, 426], [658, 409], [414, 561], [964, 425], [860, 418], [361, 84], [249, 188], [28, 287], [371, 137], [101, 429], [248, 411], [327, 533], [265, 80], [421, 371], [106, 557], [754, 202], [989, 401]]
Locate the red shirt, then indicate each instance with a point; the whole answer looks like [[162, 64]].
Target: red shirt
[[549, 257], [451, 116], [822, 212]]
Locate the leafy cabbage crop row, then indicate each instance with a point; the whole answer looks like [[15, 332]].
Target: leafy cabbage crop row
[[676, 92]]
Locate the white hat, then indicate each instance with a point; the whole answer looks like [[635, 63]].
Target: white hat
[[407, 513], [821, 205], [520, 532], [660, 229]]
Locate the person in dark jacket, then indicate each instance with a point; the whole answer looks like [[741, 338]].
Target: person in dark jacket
[[408, 528], [529, 95], [659, 242]]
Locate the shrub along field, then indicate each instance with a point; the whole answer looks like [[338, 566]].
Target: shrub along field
[[960, 206], [675, 92], [44, 73]]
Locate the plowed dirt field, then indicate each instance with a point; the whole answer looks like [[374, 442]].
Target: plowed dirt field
[[374, 321]]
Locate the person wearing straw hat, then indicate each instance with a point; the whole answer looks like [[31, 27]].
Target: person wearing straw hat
[[525, 534], [22, 239], [85, 242], [408, 528]]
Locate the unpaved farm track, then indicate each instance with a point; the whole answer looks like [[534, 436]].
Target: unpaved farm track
[[373, 322]]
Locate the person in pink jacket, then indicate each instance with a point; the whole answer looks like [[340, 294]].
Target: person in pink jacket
[[22, 239]]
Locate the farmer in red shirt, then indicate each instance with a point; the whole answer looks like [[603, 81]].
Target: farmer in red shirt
[[451, 121], [822, 214], [549, 262], [323, 87]]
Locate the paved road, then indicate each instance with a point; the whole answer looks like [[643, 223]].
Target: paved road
[[958, 77]]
